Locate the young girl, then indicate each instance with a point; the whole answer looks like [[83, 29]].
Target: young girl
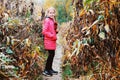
[[49, 32]]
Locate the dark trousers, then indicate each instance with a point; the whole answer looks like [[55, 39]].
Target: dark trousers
[[50, 59]]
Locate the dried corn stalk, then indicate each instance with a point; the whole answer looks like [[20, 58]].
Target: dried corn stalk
[[94, 40]]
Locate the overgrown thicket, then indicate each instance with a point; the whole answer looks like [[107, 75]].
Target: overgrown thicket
[[21, 46], [92, 49]]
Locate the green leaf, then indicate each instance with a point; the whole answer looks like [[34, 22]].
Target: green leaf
[[102, 35], [15, 68], [9, 51], [100, 17], [67, 71], [87, 2], [28, 14], [7, 60]]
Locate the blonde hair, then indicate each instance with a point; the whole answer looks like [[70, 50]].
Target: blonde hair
[[47, 11]]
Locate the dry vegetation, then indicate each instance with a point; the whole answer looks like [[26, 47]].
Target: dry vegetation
[[21, 42], [92, 49]]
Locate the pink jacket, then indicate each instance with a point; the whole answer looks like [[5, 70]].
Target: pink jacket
[[49, 32]]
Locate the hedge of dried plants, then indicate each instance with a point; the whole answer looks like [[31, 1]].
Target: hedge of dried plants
[[92, 42], [21, 47]]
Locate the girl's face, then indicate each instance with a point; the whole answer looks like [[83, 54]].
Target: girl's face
[[51, 13]]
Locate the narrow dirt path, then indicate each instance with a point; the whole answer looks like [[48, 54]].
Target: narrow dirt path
[[56, 64]]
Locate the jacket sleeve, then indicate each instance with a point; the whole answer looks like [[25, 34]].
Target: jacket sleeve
[[45, 31]]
